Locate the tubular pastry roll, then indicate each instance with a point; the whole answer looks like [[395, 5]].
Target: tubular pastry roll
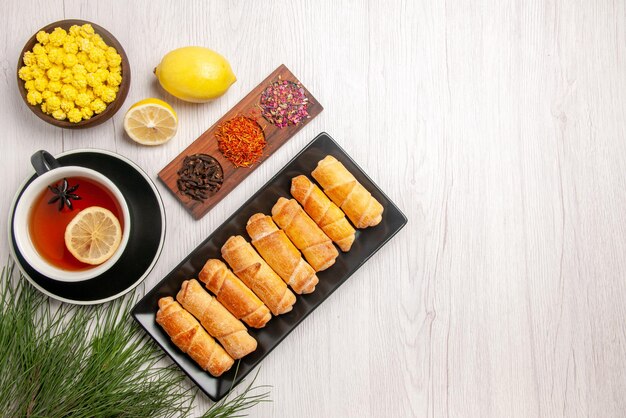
[[347, 193], [218, 322], [257, 275], [325, 213], [316, 247], [281, 255], [191, 338], [234, 294]]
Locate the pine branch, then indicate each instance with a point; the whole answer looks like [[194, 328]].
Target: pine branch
[[80, 361], [77, 361], [232, 407]]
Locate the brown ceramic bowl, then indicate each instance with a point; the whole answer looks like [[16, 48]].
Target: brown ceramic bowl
[[111, 107]]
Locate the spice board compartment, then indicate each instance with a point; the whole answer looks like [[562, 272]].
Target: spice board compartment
[[259, 102]]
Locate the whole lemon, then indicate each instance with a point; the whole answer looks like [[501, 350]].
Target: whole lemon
[[195, 74]]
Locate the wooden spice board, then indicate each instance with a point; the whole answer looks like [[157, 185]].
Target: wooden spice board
[[207, 144]]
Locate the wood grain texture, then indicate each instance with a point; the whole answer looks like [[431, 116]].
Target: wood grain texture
[[207, 144], [498, 128]]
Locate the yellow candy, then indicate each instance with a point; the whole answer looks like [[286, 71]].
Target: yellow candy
[[82, 57], [57, 37], [34, 97], [87, 112], [91, 66], [54, 74], [56, 55], [86, 30], [71, 74], [99, 90], [38, 49], [79, 69], [114, 79], [43, 37], [71, 48], [82, 100], [102, 74], [60, 58], [70, 60], [55, 86], [96, 55], [84, 44], [41, 83], [29, 58], [75, 30], [54, 103], [37, 72], [114, 61], [69, 92], [108, 95], [67, 105], [74, 115], [25, 73], [43, 62], [97, 106], [93, 80], [59, 114], [99, 42], [79, 82]]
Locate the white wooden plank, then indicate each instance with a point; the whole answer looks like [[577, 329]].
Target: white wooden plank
[[496, 126]]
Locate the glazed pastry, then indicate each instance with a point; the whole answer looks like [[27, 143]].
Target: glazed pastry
[[347, 193], [234, 294], [257, 275], [316, 247], [280, 254], [218, 322], [191, 338], [325, 213]]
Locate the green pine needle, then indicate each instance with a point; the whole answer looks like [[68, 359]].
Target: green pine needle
[[66, 360], [231, 407], [80, 361]]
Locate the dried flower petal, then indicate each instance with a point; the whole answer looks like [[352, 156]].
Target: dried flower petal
[[284, 103]]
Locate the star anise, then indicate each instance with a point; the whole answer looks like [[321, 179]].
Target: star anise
[[64, 194]]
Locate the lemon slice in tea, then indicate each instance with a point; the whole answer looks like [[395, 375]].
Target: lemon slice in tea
[[93, 235], [151, 122]]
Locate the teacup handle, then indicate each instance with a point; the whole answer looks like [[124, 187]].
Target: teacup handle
[[43, 162]]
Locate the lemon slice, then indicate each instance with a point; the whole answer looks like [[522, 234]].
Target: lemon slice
[[151, 122], [93, 235]]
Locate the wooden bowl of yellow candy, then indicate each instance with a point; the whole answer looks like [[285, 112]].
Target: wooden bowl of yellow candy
[[73, 74]]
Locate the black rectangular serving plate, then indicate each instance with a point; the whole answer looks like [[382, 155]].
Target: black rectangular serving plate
[[367, 242]]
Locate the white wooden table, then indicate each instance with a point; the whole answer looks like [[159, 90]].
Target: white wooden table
[[498, 127]]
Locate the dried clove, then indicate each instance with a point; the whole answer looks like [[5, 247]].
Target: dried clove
[[200, 176]]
